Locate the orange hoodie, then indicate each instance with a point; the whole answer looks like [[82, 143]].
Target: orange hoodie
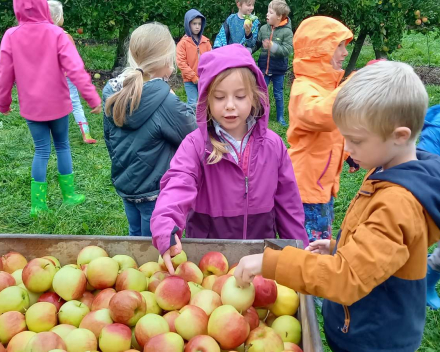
[[316, 146], [188, 55]]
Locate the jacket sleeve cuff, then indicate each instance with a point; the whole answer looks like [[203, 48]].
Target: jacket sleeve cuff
[[332, 246], [270, 261], [248, 36]]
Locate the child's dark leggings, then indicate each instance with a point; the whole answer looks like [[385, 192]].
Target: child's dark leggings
[[352, 163]]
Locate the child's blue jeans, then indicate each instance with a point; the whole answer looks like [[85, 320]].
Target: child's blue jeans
[[78, 111], [41, 132], [139, 216], [192, 94], [278, 87]]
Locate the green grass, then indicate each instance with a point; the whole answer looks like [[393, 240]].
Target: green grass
[[103, 213]]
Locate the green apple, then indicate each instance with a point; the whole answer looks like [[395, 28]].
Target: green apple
[[238, 297], [80, 340], [149, 326], [72, 313], [150, 300], [125, 262], [87, 254], [288, 327], [14, 298], [131, 279]]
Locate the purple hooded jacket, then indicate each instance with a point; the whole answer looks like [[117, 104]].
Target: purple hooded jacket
[[228, 200]]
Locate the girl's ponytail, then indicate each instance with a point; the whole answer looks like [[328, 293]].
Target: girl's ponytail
[[151, 49], [131, 94]]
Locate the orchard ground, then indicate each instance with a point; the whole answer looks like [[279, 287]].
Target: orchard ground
[[103, 213]]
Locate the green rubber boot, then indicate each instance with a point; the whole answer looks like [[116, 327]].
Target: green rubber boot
[[38, 197], [68, 190]]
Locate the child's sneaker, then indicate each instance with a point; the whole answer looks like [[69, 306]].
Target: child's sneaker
[[85, 131]]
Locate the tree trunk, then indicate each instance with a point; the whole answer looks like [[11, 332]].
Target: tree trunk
[[120, 59], [380, 54], [356, 51]]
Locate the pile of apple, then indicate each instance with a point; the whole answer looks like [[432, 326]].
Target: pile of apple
[[112, 305]]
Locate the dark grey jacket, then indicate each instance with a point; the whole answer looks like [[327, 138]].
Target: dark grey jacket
[[141, 150]]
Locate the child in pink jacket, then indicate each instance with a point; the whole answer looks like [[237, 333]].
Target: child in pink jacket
[[36, 56]]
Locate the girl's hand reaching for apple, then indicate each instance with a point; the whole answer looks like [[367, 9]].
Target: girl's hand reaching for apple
[[172, 252], [97, 110], [248, 268], [319, 246]]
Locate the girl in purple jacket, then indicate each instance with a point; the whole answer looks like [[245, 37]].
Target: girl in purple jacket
[[232, 177]]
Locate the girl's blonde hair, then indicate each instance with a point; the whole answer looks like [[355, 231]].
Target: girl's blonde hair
[[252, 90], [56, 11], [151, 48]]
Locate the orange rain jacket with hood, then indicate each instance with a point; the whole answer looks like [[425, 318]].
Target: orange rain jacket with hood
[[316, 146]]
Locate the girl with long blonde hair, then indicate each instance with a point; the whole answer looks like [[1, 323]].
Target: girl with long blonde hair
[[144, 123]]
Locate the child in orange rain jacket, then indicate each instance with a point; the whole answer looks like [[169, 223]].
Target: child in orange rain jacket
[[316, 145], [191, 46]]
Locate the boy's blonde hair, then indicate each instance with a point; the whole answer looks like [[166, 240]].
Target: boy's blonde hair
[[252, 90], [151, 48], [56, 11], [280, 7], [382, 97]]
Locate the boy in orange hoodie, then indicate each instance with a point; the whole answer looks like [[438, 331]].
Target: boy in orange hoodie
[[190, 47], [373, 276], [316, 145]]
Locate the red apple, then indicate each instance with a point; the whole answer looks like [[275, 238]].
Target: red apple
[[42, 316], [171, 317], [127, 307], [115, 337], [80, 31], [52, 297], [252, 318], [102, 299], [69, 283], [18, 342], [202, 343], [192, 321], [290, 346], [87, 298], [190, 272], [6, 280], [167, 342], [11, 323], [131, 279], [228, 327], [173, 293], [156, 279], [265, 291], [207, 300], [148, 326], [38, 275], [218, 284], [102, 272], [264, 339], [213, 263], [95, 321], [44, 342], [13, 261]]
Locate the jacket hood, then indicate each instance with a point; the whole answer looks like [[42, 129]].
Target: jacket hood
[[153, 95], [314, 43], [189, 16], [212, 64], [32, 11], [285, 23], [421, 177]]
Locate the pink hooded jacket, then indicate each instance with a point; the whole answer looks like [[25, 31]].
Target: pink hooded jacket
[[254, 199], [36, 56]]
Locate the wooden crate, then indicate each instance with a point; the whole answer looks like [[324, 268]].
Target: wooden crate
[[66, 249]]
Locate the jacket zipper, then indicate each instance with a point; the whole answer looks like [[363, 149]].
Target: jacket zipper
[[346, 321], [268, 51], [246, 177]]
